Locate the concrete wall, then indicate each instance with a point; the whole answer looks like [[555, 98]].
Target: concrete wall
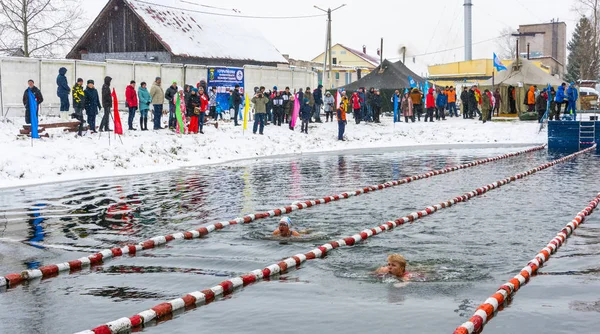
[[152, 56], [14, 73]]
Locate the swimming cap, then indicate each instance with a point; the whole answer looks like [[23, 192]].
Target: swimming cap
[[286, 220]]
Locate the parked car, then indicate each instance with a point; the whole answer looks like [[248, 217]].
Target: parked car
[[589, 98]]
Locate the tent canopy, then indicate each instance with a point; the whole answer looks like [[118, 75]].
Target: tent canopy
[[527, 74], [388, 75]]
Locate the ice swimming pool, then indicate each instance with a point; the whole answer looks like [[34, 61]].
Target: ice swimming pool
[[465, 251]]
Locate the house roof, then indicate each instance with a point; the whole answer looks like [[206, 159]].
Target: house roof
[[188, 33], [393, 76], [371, 59]]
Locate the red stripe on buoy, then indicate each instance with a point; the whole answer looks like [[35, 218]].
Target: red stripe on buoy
[[102, 330], [162, 309], [49, 270], [136, 320]]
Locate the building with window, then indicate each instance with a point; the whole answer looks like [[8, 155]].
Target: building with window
[[547, 43], [349, 64]]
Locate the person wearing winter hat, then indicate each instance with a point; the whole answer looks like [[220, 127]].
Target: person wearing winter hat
[[78, 103], [329, 106], [92, 105], [285, 228], [305, 112]]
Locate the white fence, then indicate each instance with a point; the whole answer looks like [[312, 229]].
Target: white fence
[[14, 73]]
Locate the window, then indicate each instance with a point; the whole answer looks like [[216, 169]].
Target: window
[[343, 52], [332, 52], [337, 75], [334, 61]]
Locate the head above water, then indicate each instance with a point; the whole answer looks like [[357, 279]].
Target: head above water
[[285, 226], [396, 265]]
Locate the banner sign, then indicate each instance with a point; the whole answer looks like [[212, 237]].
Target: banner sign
[[225, 79]]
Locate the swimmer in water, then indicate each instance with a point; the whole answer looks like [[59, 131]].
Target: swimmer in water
[[396, 267], [285, 228]]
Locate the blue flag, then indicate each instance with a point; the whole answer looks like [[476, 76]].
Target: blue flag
[[411, 82], [498, 64], [395, 108], [33, 107], [425, 92]]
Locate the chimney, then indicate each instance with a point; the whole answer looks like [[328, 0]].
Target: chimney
[[364, 49], [378, 52]]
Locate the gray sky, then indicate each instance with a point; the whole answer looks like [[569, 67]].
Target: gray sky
[[424, 26]]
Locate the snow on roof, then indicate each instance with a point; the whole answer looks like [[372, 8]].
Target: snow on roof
[[371, 59], [191, 34]]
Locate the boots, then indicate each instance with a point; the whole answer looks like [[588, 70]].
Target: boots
[[145, 124]]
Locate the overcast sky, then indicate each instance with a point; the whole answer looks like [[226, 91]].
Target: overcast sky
[[424, 26]]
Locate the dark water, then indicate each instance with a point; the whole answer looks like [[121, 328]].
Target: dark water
[[466, 252]]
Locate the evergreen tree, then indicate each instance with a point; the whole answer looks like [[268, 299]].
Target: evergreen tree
[[582, 64]]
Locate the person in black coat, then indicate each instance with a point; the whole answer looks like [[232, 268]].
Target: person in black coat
[[277, 108], [472, 102], [464, 101], [38, 97], [170, 93], [107, 102], [318, 96], [236, 100], [305, 112], [62, 91], [376, 103], [92, 104]]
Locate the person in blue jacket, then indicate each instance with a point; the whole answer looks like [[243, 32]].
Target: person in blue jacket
[[92, 105], [572, 96], [62, 91], [305, 112], [441, 102], [560, 97]]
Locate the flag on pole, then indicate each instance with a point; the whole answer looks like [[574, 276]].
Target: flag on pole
[[395, 108], [178, 114], [117, 118], [498, 64], [295, 112], [33, 107], [412, 82], [246, 110], [338, 100]]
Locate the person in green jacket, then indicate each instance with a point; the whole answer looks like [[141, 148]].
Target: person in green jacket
[[144, 100], [486, 105], [260, 110]]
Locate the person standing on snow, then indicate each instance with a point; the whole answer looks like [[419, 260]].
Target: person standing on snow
[[92, 105], [158, 97], [541, 102], [486, 105], [203, 108], [318, 98], [78, 103], [417, 101], [38, 97], [62, 91], [311, 101], [328, 106], [107, 102], [192, 110], [277, 108], [260, 110], [341, 118], [356, 106], [429, 105], [132, 103], [376, 102], [169, 96], [554, 115], [531, 99], [452, 102], [305, 113], [212, 103], [407, 108], [440, 106], [145, 100]]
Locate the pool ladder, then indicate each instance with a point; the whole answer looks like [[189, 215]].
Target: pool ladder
[[587, 134]]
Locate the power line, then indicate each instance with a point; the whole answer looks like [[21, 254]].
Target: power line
[[455, 48], [233, 15]]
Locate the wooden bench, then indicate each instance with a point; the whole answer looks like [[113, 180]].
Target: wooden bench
[[68, 126]]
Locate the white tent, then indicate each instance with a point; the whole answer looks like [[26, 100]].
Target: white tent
[[526, 73]]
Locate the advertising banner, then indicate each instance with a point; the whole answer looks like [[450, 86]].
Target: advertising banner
[[225, 79]]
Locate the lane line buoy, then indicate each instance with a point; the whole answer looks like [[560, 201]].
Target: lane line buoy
[[207, 296], [492, 305], [49, 271]]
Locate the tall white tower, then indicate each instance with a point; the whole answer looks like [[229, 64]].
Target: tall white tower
[[468, 30]]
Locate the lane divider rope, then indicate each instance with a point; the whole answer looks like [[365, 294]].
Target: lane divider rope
[[485, 311], [195, 298], [49, 271]]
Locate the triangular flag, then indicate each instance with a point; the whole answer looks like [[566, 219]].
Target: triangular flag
[[246, 110], [117, 118], [33, 107]]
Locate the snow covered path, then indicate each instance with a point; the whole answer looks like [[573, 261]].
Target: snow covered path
[[64, 157]]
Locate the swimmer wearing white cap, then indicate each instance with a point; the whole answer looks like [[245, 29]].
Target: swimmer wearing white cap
[[285, 228]]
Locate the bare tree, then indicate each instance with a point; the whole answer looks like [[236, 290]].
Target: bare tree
[[40, 27], [506, 43]]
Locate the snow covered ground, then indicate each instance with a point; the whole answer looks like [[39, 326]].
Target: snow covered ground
[[64, 157]]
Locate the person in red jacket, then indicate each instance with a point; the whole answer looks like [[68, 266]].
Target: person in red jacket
[[203, 108], [132, 103], [356, 106], [429, 105]]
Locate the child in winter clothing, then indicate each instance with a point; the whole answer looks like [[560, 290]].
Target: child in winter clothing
[[341, 117], [305, 112]]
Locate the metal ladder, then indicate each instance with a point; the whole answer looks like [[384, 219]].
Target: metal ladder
[[587, 133]]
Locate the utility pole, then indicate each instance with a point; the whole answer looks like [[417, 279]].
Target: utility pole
[[328, 45], [381, 52]]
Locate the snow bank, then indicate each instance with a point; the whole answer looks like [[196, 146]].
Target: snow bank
[[64, 157]]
